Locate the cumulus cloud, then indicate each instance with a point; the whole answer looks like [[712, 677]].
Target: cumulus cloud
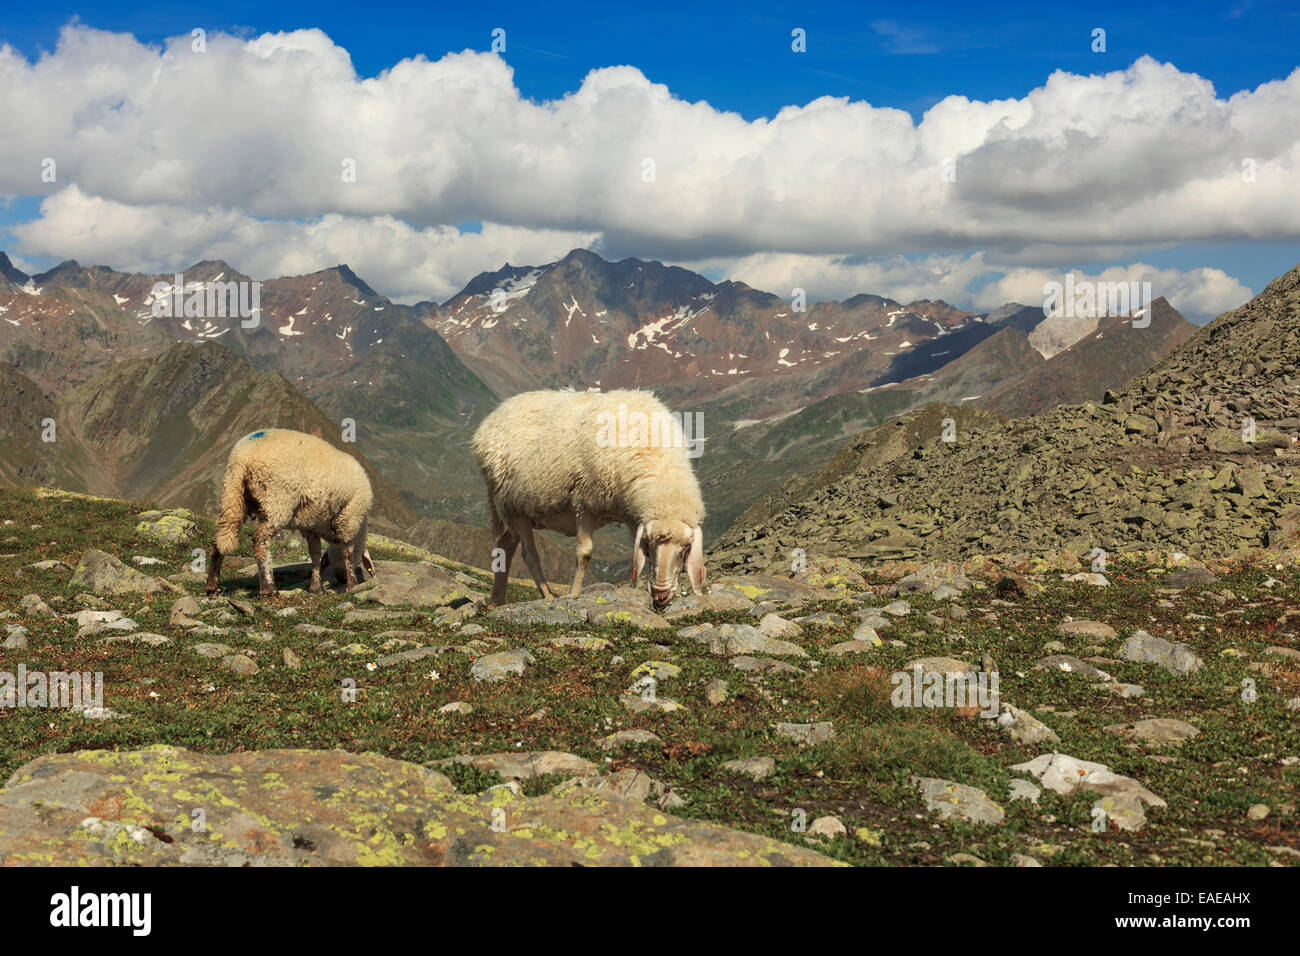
[[405, 263], [976, 282], [245, 147]]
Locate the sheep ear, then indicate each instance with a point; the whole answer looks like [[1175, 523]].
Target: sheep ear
[[638, 556], [695, 561]]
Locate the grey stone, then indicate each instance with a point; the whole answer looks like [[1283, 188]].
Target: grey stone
[[756, 768], [240, 665], [503, 664], [808, 735], [957, 801], [1146, 649]]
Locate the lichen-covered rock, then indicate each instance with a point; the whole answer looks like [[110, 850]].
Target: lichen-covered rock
[[31, 605], [1023, 727], [958, 801], [767, 587], [726, 640], [929, 578], [334, 808], [102, 573], [169, 527], [499, 666]]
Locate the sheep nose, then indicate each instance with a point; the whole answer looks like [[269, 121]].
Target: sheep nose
[[660, 599]]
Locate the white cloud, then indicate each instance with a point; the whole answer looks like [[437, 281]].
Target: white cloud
[[1144, 154], [975, 281], [237, 152], [402, 262]]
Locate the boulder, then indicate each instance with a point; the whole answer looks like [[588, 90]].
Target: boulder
[[334, 808]]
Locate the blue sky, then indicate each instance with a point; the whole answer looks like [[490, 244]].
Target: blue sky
[[906, 57]]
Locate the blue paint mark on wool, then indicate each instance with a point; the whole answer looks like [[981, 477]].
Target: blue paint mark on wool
[[255, 435]]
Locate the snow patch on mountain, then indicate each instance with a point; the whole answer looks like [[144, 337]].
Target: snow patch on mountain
[[1059, 331]]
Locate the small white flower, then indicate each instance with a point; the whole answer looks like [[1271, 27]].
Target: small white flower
[[371, 667], [433, 675]]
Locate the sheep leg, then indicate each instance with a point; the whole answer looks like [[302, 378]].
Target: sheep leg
[[506, 543], [631, 533], [262, 535], [350, 572], [313, 549], [585, 530], [525, 533], [214, 570]]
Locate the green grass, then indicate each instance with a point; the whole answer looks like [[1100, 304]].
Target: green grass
[[172, 695]]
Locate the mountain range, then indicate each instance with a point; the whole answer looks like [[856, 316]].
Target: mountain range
[[1199, 454], [150, 402]]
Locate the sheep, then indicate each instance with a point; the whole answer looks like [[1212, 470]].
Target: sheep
[[287, 479], [574, 462]]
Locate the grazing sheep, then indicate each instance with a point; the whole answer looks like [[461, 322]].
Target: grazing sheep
[[290, 480], [575, 461]]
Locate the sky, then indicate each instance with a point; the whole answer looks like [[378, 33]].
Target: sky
[[940, 151]]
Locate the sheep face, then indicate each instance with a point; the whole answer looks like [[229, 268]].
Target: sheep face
[[666, 545]]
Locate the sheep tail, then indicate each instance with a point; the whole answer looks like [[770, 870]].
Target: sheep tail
[[232, 509]]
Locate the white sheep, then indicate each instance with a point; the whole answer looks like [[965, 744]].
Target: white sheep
[[575, 461], [287, 479]]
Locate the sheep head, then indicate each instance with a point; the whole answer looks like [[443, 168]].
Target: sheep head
[[666, 545]]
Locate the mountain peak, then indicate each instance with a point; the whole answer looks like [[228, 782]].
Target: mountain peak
[[11, 274], [582, 255], [352, 279], [485, 282], [212, 267], [72, 274]]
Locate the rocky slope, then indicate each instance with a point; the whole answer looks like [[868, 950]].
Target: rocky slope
[[27, 456], [162, 427], [347, 348], [1002, 372], [1160, 462], [1107, 357]]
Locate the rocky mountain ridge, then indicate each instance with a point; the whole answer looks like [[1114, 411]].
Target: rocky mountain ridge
[[1199, 454]]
